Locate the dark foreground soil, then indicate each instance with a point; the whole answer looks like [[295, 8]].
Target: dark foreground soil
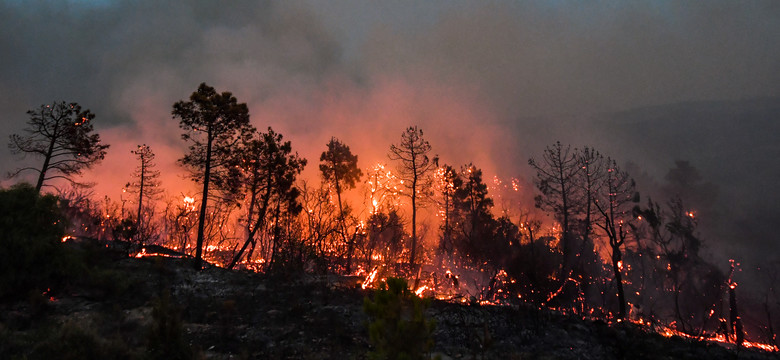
[[220, 314]]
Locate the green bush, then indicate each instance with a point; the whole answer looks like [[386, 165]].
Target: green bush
[[32, 256], [399, 328]]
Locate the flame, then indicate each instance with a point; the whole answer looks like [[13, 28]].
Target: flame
[[717, 338], [420, 291], [370, 278], [189, 203]]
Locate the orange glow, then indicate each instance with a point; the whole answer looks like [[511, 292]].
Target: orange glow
[[370, 278]]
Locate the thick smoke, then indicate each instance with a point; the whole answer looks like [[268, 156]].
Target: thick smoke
[[489, 82]]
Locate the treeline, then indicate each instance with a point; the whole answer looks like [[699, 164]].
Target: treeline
[[607, 253]]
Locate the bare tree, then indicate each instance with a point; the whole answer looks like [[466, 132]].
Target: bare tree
[[318, 222], [613, 203], [591, 180], [415, 165], [61, 133], [693, 283], [382, 189], [215, 123], [146, 183], [447, 182], [339, 169], [556, 177]]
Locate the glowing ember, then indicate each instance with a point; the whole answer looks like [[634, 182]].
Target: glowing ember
[[421, 290]]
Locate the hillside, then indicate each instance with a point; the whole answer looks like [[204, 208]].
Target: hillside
[[221, 314]]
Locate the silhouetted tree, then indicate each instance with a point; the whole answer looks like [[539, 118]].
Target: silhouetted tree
[[735, 321], [384, 235], [685, 181], [618, 192], [591, 179], [179, 220], [415, 165], [146, 183], [339, 169], [447, 181], [769, 276], [474, 222], [318, 221], [270, 169], [694, 283], [382, 190], [61, 133], [214, 123], [556, 177]]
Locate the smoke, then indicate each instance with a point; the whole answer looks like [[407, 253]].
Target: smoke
[[489, 82]]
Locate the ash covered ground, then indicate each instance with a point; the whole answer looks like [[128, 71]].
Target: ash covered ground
[[219, 314]]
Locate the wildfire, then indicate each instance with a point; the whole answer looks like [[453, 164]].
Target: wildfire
[[189, 203], [370, 278], [717, 338], [143, 253], [419, 292]]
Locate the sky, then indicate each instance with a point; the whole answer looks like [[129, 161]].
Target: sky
[[490, 82]]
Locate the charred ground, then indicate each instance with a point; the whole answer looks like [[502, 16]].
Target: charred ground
[[159, 307]]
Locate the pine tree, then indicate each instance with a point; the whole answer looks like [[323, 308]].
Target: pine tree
[[414, 168], [61, 133], [146, 184], [215, 124]]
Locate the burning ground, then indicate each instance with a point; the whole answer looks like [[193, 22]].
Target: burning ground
[[116, 311]]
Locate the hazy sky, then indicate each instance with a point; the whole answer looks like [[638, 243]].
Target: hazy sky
[[472, 74]]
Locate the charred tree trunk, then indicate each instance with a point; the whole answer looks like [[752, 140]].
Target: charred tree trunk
[[737, 331], [140, 201], [277, 234], [202, 215], [616, 265], [413, 250]]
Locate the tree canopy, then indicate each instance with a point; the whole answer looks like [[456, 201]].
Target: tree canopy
[[62, 134], [214, 123]]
